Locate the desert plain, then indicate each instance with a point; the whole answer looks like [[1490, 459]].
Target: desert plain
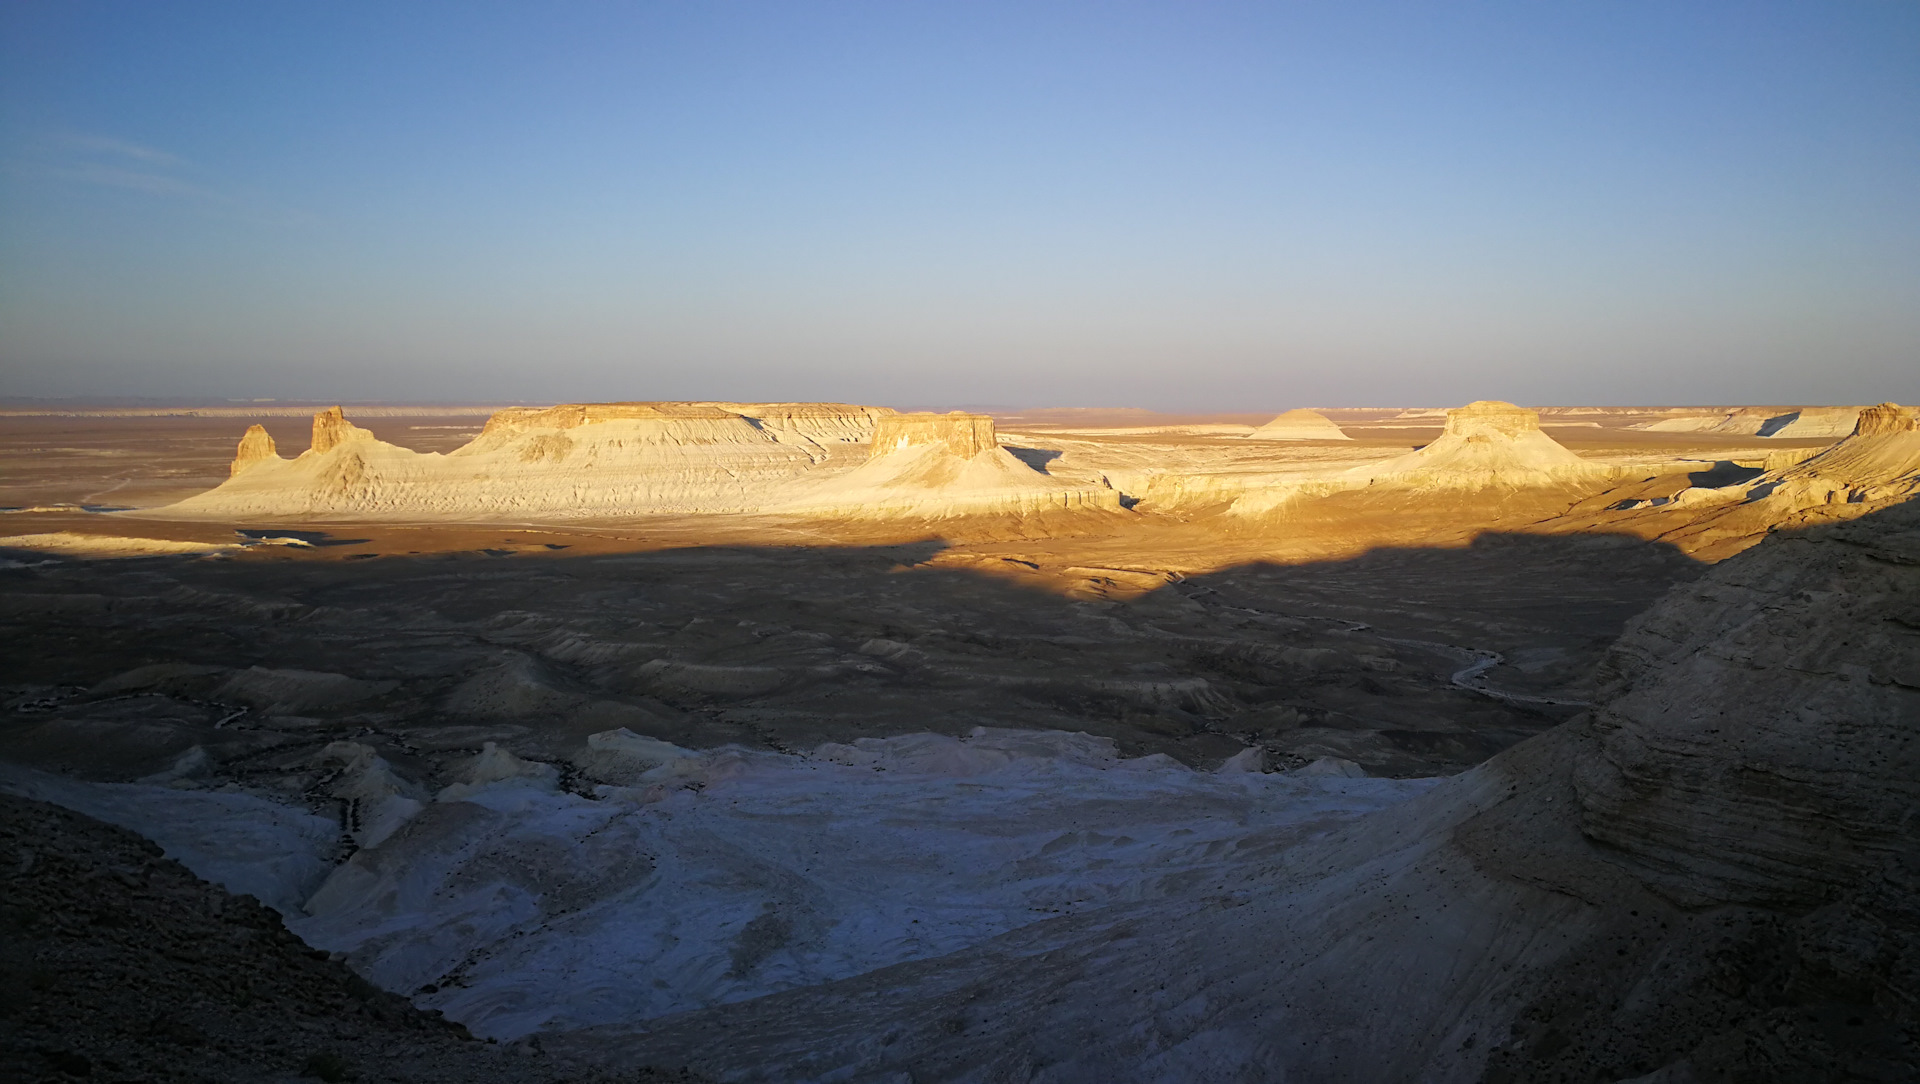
[[822, 741]]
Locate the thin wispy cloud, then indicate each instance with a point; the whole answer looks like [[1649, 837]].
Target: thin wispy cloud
[[105, 161], [107, 146]]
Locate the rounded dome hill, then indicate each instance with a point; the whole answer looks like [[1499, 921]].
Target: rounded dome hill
[[1299, 424], [1487, 444]]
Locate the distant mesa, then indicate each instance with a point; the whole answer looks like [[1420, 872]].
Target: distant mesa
[[1486, 445], [1300, 424], [618, 459], [1800, 422], [1879, 461], [943, 465]]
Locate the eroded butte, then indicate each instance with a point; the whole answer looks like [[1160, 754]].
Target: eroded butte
[[819, 741]]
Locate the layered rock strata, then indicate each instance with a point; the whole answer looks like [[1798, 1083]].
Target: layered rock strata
[[1711, 877], [1486, 445], [944, 465], [599, 459], [612, 459]]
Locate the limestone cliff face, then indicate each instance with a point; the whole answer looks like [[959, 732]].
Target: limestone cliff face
[[331, 429], [255, 445], [965, 435], [1762, 740], [613, 459]]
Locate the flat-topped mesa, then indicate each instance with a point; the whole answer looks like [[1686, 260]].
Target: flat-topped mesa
[[255, 446], [1486, 445], [814, 428], [1300, 424], [965, 435], [332, 429], [1491, 419]]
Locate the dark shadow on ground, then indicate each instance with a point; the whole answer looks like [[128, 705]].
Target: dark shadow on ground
[[120, 668], [1037, 458], [1724, 472]]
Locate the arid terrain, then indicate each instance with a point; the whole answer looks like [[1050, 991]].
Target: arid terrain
[[612, 729]]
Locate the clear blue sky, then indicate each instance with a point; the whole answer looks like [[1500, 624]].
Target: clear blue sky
[[1194, 206]]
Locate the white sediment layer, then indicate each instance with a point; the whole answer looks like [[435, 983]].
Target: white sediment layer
[[619, 459], [526, 907]]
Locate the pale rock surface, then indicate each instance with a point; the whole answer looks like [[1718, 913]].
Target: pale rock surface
[[1879, 461], [943, 465], [1798, 422], [255, 445], [377, 799], [103, 546], [1299, 424], [1486, 444], [1488, 448], [597, 459], [610, 459]]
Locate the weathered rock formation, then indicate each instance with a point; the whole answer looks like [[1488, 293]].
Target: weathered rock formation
[[1486, 445], [962, 434], [598, 459], [943, 465], [255, 445], [1878, 464], [1819, 421], [331, 429], [1300, 425], [614, 459]]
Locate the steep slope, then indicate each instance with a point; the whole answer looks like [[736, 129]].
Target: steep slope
[[1712, 876], [1486, 445], [594, 459], [121, 965], [942, 465]]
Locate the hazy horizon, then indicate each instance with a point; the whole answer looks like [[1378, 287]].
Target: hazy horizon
[[1195, 209]]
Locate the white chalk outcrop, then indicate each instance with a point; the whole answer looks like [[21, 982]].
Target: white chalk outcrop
[[1879, 461], [942, 465], [599, 459], [1804, 422], [1300, 424], [615, 459], [1486, 445]]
